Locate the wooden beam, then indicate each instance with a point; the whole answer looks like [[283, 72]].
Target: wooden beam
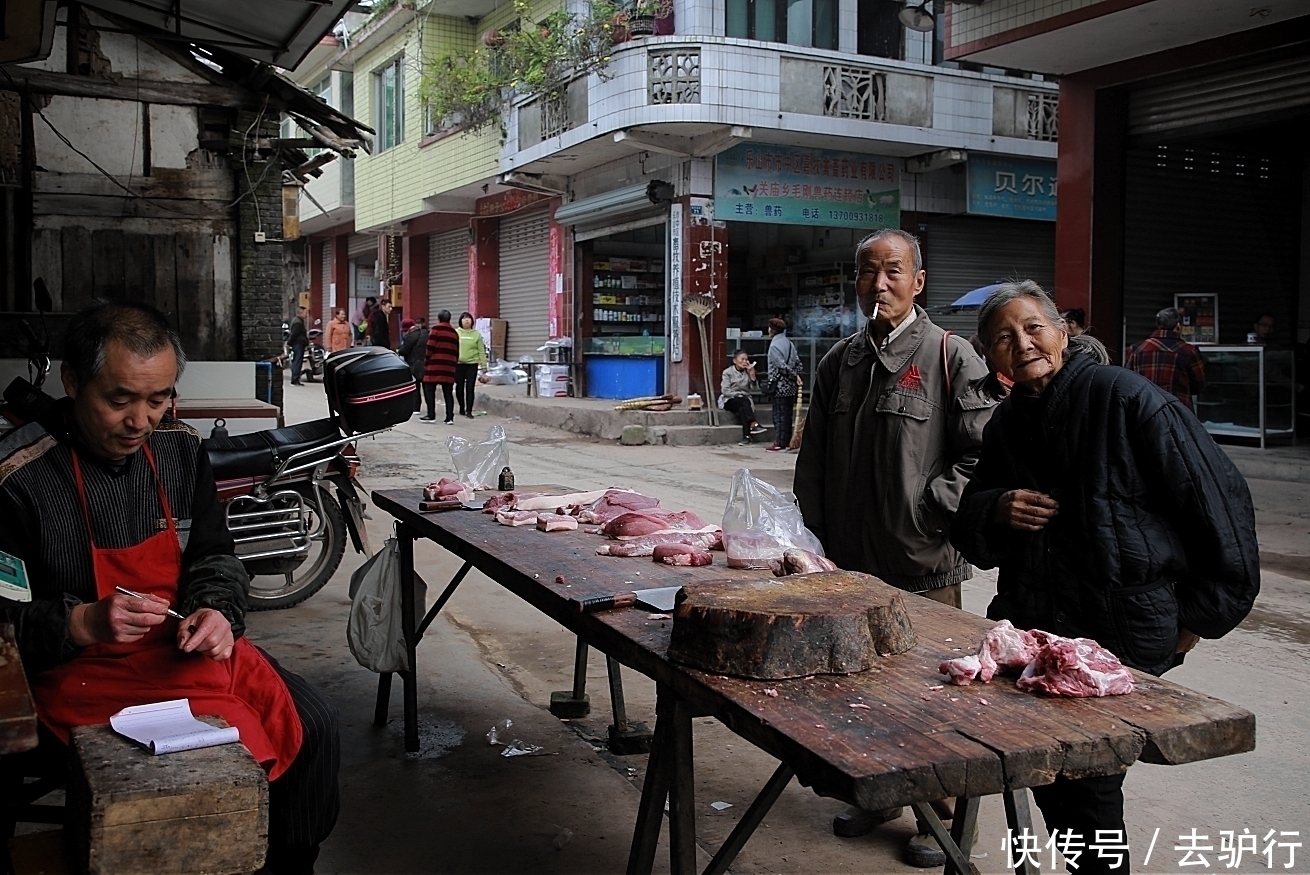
[[143, 90], [200, 184]]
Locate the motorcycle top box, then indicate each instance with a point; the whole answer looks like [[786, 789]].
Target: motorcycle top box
[[368, 388]]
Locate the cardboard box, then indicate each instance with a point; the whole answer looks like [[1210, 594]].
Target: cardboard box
[[552, 381], [494, 333]]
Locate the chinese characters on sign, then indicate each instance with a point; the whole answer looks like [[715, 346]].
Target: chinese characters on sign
[[1195, 849], [1016, 188], [674, 322], [790, 186]]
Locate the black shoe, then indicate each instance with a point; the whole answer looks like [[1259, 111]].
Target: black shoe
[[857, 821], [427, 419], [448, 422], [295, 383]]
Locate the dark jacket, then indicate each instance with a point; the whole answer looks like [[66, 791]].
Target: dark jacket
[[413, 348], [887, 451], [1155, 529], [379, 328], [441, 354], [296, 334]]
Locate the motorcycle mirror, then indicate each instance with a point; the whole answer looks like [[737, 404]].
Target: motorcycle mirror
[[44, 303]]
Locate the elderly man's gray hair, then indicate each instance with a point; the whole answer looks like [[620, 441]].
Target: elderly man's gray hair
[[1168, 318], [1012, 291], [916, 252]]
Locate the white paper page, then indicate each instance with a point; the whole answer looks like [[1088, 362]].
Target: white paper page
[[168, 727]]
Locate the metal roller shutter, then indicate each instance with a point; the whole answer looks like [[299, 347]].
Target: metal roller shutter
[[525, 282], [962, 253], [448, 273], [328, 302], [1186, 207], [362, 244]]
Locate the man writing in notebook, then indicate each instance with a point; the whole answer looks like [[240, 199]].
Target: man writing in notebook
[[108, 493]]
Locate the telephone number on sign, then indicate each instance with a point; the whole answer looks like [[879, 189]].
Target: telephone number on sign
[[855, 216]]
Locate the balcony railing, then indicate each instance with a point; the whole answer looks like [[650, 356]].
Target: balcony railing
[[673, 75], [854, 92]]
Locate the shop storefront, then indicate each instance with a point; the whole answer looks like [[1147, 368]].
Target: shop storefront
[[362, 250], [524, 287], [448, 273]]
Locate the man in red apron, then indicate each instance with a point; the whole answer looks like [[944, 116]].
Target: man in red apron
[[109, 493]]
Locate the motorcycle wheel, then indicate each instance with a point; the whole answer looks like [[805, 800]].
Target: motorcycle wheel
[[327, 526]]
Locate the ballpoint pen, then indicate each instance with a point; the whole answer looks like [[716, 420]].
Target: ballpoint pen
[[171, 612]]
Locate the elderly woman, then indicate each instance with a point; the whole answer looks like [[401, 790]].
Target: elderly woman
[[1111, 514], [784, 379]]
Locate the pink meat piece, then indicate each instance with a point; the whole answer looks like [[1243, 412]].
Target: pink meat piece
[[1075, 667], [443, 488], [961, 671], [645, 546], [1003, 647], [556, 522], [682, 555], [637, 523], [516, 517], [612, 504], [506, 499], [798, 561]]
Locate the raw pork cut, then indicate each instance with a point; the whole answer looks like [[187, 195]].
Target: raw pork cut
[[682, 554], [709, 539], [1002, 647], [1075, 667], [443, 488], [553, 502], [556, 522], [516, 517], [637, 523], [506, 500], [798, 561], [613, 503]]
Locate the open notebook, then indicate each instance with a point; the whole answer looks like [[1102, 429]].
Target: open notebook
[[168, 727]]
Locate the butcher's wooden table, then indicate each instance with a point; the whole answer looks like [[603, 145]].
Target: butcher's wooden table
[[17, 713], [912, 744]]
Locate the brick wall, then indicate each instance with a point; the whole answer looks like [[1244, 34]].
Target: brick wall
[[261, 286]]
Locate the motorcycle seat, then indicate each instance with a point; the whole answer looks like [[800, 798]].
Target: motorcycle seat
[[259, 454]]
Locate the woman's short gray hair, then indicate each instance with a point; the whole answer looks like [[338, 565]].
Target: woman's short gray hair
[[1012, 291]]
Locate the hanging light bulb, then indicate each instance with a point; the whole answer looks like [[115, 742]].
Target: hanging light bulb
[[917, 17]]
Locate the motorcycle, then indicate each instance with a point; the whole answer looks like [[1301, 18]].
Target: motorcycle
[[290, 495]]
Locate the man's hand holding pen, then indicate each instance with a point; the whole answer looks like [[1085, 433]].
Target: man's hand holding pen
[[124, 617]]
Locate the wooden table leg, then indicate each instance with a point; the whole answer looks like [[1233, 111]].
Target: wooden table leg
[[625, 737], [384, 699], [574, 703], [1020, 820], [650, 811], [956, 860], [963, 825], [405, 539], [682, 794], [753, 817]]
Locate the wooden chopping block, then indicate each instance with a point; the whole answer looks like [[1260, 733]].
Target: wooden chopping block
[[832, 622], [198, 812]]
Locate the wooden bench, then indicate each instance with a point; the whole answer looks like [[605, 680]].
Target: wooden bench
[[199, 812]]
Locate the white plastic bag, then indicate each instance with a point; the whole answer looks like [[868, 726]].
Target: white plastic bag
[[478, 465], [374, 630], [760, 523]]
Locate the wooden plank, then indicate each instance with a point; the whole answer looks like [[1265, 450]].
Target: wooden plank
[[108, 270], [125, 88], [78, 284], [138, 267], [195, 293], [48, 262], [124, 205], [200, 184], [165, 259], [17, 713]]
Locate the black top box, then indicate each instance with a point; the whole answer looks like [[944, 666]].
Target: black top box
[[368, 388]]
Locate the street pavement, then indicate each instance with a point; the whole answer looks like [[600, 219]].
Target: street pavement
[[458, 806]]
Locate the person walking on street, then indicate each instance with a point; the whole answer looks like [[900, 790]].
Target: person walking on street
[[339, 332], [1111, 513], [379, 326], [362, 320], [297, 340], [784, 378], [735, 387], [1167, 360], [441, 352], [472, 354], [413, 349], [893, 432]]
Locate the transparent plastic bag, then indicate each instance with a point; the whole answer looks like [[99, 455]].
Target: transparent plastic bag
[[761, 522], [479, 465], [374, 631]]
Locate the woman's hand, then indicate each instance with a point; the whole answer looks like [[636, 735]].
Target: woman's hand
[[206, 632], [1026, 510], [115, 619]]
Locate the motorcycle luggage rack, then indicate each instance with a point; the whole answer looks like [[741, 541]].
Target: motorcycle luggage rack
[[312, 457], [284, 523]]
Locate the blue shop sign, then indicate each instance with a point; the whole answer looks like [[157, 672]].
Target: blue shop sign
[[1016, 188]]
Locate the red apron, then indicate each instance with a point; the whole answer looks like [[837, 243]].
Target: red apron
[[244, 690]]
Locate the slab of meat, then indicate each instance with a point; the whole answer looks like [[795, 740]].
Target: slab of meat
[[638, 523], [798, 561], [1003, 647], [708, 539], [528, 501], [683, 555], [1075, 667], [556, 522], [516, 517], [506, 500], [613, 503], [443, 488]]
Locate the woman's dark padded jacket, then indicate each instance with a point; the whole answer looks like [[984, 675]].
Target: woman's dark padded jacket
[[1155, 531]]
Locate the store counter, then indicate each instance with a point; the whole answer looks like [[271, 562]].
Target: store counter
[[624, 367]]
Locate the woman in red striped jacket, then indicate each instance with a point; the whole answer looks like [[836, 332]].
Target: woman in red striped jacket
[[439, 367]]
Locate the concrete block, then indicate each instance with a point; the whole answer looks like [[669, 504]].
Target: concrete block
[[657, 435], [633, 436]]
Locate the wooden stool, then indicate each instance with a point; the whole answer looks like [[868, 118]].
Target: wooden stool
[[199, 812]]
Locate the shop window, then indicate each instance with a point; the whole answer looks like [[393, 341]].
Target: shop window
[[795, 22], [389, 102], [880, 32]]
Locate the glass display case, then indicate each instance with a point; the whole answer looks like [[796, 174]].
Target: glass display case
[[1249, 393]]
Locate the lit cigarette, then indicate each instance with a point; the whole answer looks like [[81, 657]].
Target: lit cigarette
[[874, 315]]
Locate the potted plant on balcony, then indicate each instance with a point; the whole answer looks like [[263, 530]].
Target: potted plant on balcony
[[641, 16]]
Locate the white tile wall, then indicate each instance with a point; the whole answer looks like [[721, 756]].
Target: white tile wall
[[970, 22]]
